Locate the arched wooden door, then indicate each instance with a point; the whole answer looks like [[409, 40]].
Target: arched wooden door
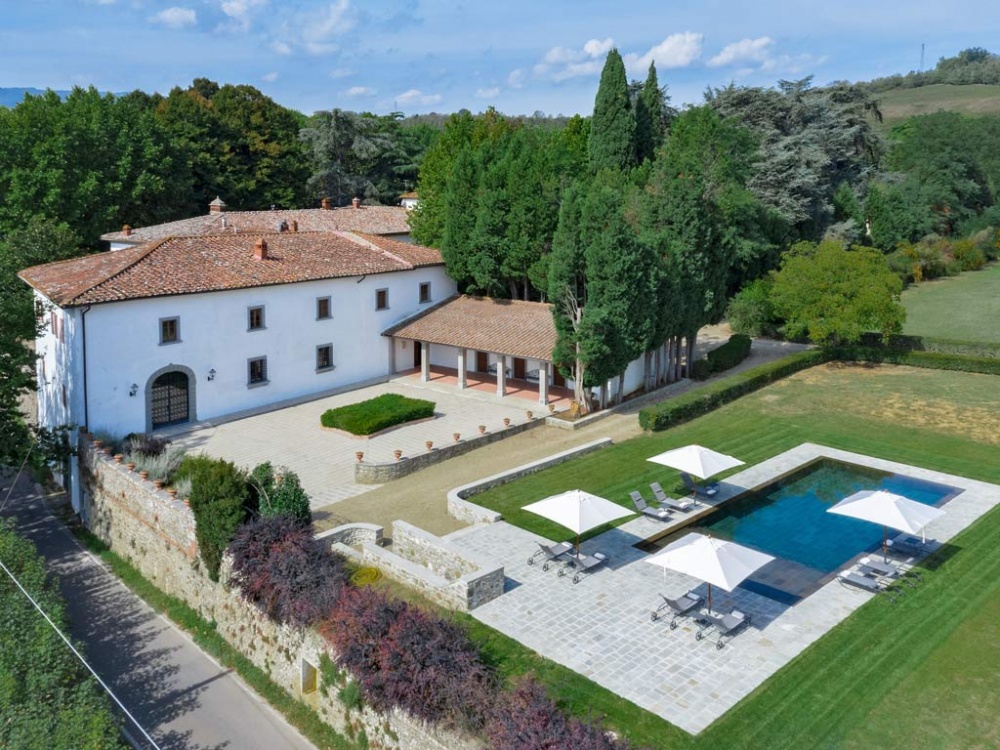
[[169, 399]]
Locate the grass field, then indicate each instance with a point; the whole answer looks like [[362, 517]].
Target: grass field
[[973, 99], [963, 308], [924, 672]]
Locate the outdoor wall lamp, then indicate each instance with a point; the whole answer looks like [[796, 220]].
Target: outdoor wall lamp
[[133, 390], [211, 374]]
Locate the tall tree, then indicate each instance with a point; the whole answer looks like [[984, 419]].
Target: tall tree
[[649, 118], [612, 127], [344, 147]]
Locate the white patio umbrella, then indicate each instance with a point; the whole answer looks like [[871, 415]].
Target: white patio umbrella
[[715, 561], [888, 509], [696, 460], [579, 511]]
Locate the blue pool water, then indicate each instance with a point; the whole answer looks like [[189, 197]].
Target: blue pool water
[[788, 519]]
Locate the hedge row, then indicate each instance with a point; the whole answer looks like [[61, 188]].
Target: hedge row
[[929, 360], [377, 414], [938, 346], [695, 403]]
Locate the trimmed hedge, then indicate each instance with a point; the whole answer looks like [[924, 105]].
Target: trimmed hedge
[[929, 360], [730, 354], [377, 414], [695, 403], [938, 346]]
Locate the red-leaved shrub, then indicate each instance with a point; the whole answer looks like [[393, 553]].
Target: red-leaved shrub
[[402, 656], [527, 718], [279, 567]]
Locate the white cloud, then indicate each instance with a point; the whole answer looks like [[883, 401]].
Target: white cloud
[[281, 48], [676, 51], [241, 12], [516, 78], [596, 47], [416, 97], [490, 93], [744, 51], [270, 77], [359, 91], [341, 73], [320, 28], [175, 18], [560, 63]]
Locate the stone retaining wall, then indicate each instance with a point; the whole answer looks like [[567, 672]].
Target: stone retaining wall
[[437, 568], [366, 472], [156, 535], [463, 510]]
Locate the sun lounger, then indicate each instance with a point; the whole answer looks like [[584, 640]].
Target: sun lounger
[[660, 514], [909, 545], [550, 552], [874, 567], [582, 565], [664, 499], [682, 606], [727, 625], [871, 585], [707, 490]]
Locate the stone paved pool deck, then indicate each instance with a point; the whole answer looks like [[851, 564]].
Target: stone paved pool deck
[[601, 627]]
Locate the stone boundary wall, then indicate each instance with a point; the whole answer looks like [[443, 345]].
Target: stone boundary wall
[[460, 508], [437, 568], [372, 473], [139, 522], [353, 533]]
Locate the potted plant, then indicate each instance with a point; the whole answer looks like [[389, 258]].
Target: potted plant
[[398, 454], [173, 493], [360, 455], [144, 475], [130, 466], [158, 483], [119, 457], [529, 415], [552, 408], [506, 421], [482, 429], [457, 436], [429, 444]]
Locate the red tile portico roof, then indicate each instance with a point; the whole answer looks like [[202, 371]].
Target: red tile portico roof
[[365, 219], [502, 326], [192, 265]]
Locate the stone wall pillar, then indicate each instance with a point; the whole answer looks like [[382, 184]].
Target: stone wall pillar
[[543, 383], [425, 361], [502, 376], [461, 368]]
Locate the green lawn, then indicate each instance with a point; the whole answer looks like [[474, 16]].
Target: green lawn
[[963, 308], [925, 670], [972, 99]]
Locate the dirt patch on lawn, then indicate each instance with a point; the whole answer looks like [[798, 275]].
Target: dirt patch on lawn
[[982, 425]]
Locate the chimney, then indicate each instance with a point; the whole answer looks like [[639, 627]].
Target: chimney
[[127, 230], [325, 204], [356, 202], [217, 206], [260, 249], [295, 226]]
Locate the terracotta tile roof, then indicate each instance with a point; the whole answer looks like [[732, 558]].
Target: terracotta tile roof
[[366, 219], [189, 265], [519, 329]]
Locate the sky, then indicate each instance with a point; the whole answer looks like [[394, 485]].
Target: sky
[[519, 56]]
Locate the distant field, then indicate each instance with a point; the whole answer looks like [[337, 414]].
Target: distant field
[[963, 308], [973, 99]]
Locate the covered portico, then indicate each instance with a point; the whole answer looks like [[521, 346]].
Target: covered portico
[[480, 338]]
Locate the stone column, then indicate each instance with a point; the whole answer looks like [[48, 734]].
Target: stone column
[[461, 368], [425, 361], [543, 383], [502, 376]]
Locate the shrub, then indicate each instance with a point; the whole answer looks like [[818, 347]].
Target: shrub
[[402, 656], [280, 493], [527, 718], [750, 311], [280, 568], [377, 414], [695, 403], [162, 466], [140, 442], [730, 354], [700, 369], [929, 360], [221, 501], [968, 255]]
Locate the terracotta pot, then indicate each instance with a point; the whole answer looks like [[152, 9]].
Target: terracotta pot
[[119, 457], [172, 492], [130, 466], [158, 483], [506, 421], [529, 415], [552, 408], [457, 436], [398, 454], [187, 502], [360, 455], [429, 444], [144, 475], [482, 429], [107, 451], [98, 443]]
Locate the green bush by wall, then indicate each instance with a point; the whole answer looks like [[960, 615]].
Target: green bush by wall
[[377, 414]]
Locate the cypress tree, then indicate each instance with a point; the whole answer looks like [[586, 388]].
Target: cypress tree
[[612, 128], [648, 118]]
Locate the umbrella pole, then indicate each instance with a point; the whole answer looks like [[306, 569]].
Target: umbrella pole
[[709, 598], [885, 544]]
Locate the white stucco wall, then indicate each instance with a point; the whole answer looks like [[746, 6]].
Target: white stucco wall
[[123, 345]]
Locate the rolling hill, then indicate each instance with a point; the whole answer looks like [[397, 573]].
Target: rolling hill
[[970, 99]]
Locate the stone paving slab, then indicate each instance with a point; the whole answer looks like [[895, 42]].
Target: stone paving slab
[[601, 627]]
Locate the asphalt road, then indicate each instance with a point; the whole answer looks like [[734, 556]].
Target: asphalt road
[[182, 697]]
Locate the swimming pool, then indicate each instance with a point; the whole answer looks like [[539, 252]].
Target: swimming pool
[[788, 519]]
